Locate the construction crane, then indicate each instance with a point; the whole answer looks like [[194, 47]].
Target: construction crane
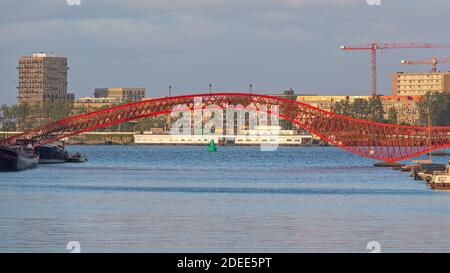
[[374, 47], [433, 62]]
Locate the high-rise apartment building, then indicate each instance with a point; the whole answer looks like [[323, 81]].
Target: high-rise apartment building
[[418, 84], [43, 77]]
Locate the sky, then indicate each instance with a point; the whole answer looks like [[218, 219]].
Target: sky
[[188, 44]]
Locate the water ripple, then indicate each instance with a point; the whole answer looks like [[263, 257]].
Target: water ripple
[[234, 190]]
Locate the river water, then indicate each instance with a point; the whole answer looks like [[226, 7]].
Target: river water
[[184, 199]]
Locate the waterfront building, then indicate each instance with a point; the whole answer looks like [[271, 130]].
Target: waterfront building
[[121, 94], [43, 77], [406, 106], [287, 94], [326, 102], [261, 135], [92, 104], [418, 84]]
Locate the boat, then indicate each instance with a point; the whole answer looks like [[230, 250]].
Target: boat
[[407, 168], [422, 171], [19, 157], [388, 165], [77, 158], [429, 174], [52, 154], [440, 186], [417, 165], [441, 181], [212, 146], [440, 153]]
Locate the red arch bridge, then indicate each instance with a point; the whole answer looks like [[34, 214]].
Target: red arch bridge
[[384, 142]]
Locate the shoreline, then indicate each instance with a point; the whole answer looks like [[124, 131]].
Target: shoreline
[[186, 144]]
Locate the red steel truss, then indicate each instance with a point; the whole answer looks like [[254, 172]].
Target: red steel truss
[[384, 142]]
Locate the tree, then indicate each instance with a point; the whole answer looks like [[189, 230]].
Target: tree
[[392, 116], [12, 116], [376, 110], [3, 119], [360, 109], [26, 117], [436, 107], [371, 109], [8, 115], [55, 110], [342, 107]]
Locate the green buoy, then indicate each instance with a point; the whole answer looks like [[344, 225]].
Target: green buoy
[[212, 146]]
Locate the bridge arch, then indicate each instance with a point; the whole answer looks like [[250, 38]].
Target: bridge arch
[[379, 141]]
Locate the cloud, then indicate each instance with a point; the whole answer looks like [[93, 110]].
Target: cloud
[[275, 44], [317, 2], [14, 11]]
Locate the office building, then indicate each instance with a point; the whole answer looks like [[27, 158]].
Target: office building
[[121, 94], [42, 78]]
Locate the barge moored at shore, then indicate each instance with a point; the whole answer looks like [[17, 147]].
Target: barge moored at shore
[[19, 157], [52, 154]]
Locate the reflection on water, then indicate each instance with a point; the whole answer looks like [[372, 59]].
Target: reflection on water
[[165, 199]]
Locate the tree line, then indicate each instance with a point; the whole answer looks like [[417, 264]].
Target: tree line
[[434, 108], [22, 117], [371, 109], [27, 116]]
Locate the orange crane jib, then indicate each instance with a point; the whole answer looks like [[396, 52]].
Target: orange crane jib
[[433, 62]]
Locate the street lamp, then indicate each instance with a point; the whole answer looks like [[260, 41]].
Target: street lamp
[[170, 89], [251, 86], [210, 88]]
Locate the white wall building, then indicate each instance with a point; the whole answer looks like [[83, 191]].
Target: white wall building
[[262, 135]]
